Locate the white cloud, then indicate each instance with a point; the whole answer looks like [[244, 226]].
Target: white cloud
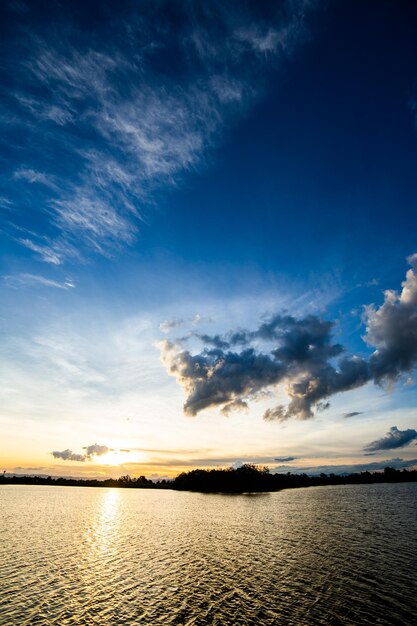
[[259, 39], [34, 280], [5, 203], [47, 253], [32, 176], [93, 219], [53, 251], [145, 132], [169, 325]]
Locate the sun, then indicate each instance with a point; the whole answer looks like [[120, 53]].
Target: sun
[[114, 458]]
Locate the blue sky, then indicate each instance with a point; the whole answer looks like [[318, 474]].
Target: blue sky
[[175, 173]]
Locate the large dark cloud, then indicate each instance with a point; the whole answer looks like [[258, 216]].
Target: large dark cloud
[[220, 378], [394, 438], [241, 365], [308, 387]]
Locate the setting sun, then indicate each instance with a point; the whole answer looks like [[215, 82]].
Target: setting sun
[[114, 458]]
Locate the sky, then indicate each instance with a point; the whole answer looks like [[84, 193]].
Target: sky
[[208, 236]]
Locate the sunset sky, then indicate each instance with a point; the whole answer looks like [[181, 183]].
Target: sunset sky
[[208, 222]]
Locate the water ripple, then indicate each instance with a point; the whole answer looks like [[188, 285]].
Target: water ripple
[[75, 556]]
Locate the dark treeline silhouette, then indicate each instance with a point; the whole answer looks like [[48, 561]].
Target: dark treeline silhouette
[[247, 478], [254, 478], [124, 481]]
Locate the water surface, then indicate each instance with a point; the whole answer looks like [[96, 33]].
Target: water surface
[[322, 555]]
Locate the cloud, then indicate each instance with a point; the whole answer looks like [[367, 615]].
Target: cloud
[[32, 176], [54, 252], [394, 438], [198, 462], [68, 455], [235, 405], [34, 280], [216, 340], [241, 365], [200, 319], [96, 450], [220, 375], [352, 414], [46, 253], [216, 378], [90, 452], [346, 469], [169, 325], [392, 329], [285, 459], [93, 219], [262, 41], [5, 204], [120, 128]]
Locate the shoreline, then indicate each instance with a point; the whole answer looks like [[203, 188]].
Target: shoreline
[[246, 479]]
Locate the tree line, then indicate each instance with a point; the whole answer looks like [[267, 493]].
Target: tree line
[[247, 478], [252, 478]]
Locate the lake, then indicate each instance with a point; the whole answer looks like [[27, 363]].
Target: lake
[[322, 555]]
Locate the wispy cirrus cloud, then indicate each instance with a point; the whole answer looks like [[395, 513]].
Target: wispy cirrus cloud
[[48, 253], [32, 176], [176, 322], [168, 325], [129, 112], [52, 250], [33, 280], [5, 204], [239, 366]]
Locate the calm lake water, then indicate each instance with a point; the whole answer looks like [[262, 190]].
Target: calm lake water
[[324, 555]]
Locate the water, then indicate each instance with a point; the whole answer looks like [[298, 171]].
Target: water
[[325, 555]]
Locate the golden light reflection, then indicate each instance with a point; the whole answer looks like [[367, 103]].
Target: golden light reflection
[[103, 531], [101, 545]]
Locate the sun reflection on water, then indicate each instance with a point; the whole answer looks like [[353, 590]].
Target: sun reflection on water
[[100, 548], [103, 532]]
